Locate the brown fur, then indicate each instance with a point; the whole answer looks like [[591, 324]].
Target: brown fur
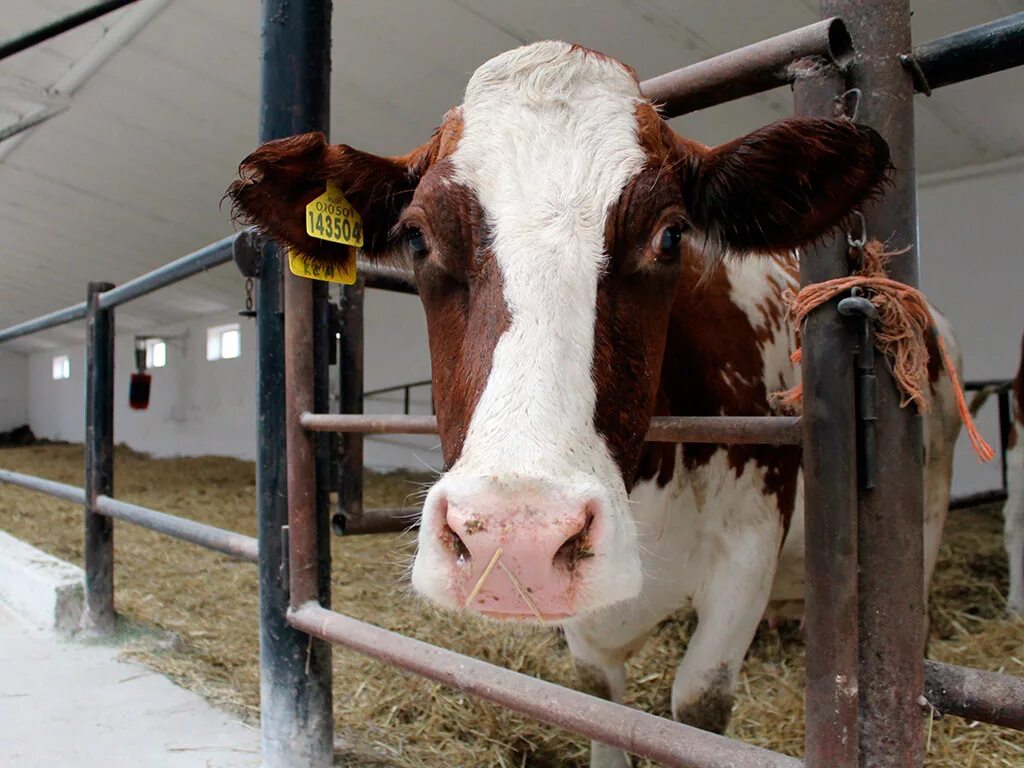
[[692, 384]]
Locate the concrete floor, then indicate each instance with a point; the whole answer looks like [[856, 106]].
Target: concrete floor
[[66, 704]]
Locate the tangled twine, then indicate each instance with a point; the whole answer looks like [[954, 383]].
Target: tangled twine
[[903, 320]]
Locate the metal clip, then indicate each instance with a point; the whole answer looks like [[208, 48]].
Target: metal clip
[[859, 307], [859, 242], [841, 101]]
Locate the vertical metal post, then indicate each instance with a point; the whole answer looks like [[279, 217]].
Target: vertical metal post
[[350, 465], [324, 346], [830, 488], [98, 548], [295, 669], [890, 517]]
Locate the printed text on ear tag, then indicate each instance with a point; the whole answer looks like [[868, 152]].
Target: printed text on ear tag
[[330, 217], [320, 269]]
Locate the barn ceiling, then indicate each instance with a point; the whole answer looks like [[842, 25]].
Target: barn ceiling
[[156, 104]]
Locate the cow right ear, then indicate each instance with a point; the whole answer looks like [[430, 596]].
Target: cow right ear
[[278, 180]]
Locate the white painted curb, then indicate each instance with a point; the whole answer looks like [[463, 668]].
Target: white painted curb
[[43, 590]]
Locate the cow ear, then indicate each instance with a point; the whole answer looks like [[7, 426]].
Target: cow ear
[[784, 185], [278, 180]]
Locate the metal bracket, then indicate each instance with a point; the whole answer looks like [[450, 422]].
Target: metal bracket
[[248, 252], [859, 307], [913, 67]]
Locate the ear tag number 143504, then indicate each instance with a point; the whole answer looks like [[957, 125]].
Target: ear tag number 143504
[[330, 217]]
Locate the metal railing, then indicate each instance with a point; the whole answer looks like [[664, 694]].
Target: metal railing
[[295, 669], [405, 389]]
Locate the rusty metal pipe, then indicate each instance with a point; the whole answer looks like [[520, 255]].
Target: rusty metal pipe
[[219, 540], [383, 520], [974, 694], [890, 538], [666, 742], [752, 69], [742, 430], [386, 278], [830, 491], [298, 372]]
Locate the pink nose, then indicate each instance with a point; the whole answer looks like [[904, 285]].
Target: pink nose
[[519, 555]]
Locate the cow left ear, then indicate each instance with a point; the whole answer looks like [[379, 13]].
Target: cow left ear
[[278, 180], [784, 185]]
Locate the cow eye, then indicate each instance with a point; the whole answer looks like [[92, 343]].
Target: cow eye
[[666, 242], [417, 241]]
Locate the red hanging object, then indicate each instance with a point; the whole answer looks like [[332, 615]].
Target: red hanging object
[[138, 391], [138, 388]]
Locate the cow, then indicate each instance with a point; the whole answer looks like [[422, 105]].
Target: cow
[[583, 268], [1013, 510]]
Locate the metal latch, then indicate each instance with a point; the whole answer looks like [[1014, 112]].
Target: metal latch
[[860, 308]]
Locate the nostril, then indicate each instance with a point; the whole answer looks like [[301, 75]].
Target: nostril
[[577, 547], [457, 544]]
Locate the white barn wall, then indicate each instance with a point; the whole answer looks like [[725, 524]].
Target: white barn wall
[[13, 390], [202, 407], [972, 268]]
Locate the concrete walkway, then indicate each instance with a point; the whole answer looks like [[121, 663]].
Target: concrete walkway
[[65, 704]]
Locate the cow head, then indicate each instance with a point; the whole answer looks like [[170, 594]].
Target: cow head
[[547, 220]]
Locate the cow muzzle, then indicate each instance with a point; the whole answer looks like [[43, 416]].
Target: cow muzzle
[[523, 549]]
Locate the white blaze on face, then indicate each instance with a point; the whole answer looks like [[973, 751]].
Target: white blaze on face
[[549, 142]]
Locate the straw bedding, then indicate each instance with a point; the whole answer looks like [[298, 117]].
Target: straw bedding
[[207, 604]]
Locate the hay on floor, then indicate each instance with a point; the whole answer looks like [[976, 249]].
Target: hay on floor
[[385, 717]]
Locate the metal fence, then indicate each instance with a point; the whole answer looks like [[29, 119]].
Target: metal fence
[[864, 609]]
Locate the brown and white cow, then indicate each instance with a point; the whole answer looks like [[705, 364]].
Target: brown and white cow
[[583, 268]]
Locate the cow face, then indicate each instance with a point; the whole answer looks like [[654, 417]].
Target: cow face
[[547, 220]]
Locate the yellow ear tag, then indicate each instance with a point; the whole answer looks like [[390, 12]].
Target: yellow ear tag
[[330, 217], [319, 269]]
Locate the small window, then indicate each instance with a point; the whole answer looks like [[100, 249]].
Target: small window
[[223, 342], [61, 367], [156, 353]]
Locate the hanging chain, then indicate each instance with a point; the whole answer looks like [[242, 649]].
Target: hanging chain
[[248, 311]]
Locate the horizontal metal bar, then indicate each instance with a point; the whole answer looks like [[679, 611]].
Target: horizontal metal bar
[[967, 500], [386, 278], [44, 322], [968, 54], [996, 385], [735, 430], [59, 27], [397, 388], [748, 430], [211, 537], [975, 694], [366, 424], [752, 69], [49, 487], [381, 520], [212, 255], [208, 536], [667, 742]]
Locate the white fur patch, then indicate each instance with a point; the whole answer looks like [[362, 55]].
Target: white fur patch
[[549, 143]]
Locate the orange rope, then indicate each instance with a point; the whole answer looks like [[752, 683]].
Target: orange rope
[[904, 318]]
